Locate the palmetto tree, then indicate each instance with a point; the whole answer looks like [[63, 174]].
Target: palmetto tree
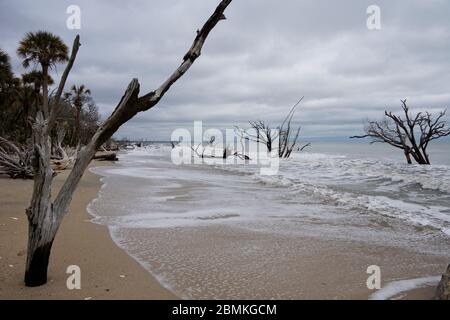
[[45, 49], [23, 101], [6, 75], [36, 78], [78, 96], [5, 66]]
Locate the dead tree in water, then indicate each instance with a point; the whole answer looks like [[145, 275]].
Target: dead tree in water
[[46, 213], [286, 142], [411, 133], [263, 133]]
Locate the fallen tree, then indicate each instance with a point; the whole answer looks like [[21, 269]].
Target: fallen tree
[[16, 161], [105, 156], [44, 214]]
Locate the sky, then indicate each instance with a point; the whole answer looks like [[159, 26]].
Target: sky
[[256, 64]]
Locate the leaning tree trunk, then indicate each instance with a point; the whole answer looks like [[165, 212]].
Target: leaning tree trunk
[[425, 155], [408, 157], [42, 223], [44, 216]]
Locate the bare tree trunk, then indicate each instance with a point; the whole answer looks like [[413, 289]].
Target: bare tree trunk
[[408, 157], [42, 224], [425, 155], [420, 158], [44, 216]]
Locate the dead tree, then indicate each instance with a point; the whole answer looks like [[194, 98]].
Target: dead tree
[[16, 161], [410, 133], [58, 150], [286, 142], [262, 132], [106, 156], [211, 146], [46, 213]]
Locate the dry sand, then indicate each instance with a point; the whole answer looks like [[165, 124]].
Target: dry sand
[[107, 272]]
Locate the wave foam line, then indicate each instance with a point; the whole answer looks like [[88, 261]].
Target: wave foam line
[[395, 287]]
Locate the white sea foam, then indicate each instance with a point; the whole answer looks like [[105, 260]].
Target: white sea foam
[[325, 195], [380, 187], [394, 288]]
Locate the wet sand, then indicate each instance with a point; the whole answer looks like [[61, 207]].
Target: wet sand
[[188, 259], [220, 262], [107, 272]]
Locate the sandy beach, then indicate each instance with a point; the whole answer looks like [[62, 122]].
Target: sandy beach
[[265, 241], [107, 272], [313, 267]]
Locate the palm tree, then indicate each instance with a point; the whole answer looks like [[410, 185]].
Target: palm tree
[[36, 78], [6, 74], [46, 49], [78, 96], [5, 66], [23, 101]]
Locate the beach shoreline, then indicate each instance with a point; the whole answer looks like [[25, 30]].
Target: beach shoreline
[[205, 254], [107, 272], [110, 271]]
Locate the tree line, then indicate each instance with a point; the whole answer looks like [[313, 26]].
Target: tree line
[[43, 117], [21, 96]]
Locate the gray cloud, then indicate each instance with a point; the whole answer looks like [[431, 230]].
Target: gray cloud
[[256, 64]]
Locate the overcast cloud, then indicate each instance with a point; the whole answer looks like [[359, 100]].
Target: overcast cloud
[[257, 63]]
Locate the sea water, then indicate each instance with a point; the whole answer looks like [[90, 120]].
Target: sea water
[[166, 215]]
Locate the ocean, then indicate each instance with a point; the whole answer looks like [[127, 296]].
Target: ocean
[[227, 231]]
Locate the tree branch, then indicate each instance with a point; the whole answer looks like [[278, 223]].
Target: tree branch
[[152, 98], [56, 99], [128, 107]]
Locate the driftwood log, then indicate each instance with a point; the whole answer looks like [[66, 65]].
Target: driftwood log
[[15, 161], [106, 156]]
